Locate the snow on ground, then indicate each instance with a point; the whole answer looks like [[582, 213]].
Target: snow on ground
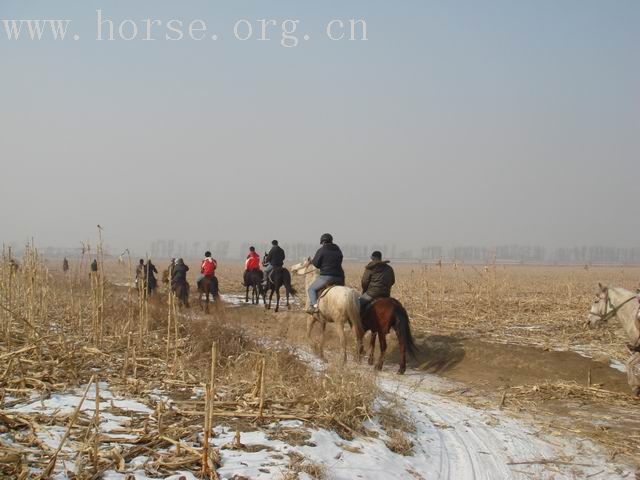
[[451, 440], [457, 441]]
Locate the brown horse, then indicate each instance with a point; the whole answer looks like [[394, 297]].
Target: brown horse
[[253, 280], [206, 286], [380, 317]]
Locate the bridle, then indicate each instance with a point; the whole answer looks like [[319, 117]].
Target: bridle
[[608, 314], [604, 317]]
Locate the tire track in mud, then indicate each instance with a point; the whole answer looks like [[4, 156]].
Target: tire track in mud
[[461, 442]]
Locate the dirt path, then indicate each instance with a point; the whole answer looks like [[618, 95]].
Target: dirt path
[[457, 438]]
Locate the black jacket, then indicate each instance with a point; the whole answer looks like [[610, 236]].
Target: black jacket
[[275, 256], [378, 278], [179, 273], [328, 260]]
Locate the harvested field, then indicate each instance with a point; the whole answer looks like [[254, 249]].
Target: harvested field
[[98, 381]]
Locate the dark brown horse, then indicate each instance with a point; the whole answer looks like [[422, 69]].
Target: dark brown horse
[[253, 281], [206, 286], [181, 291], [278, 277], [380, 317]]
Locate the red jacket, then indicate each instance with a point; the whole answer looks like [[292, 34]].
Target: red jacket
[[208, 267], [253, 261]]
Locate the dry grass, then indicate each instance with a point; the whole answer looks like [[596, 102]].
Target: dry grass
[[299, 464], [398, 442], [58, 331]]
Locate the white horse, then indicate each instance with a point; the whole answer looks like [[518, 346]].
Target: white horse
[[338, 304], [623, 305]]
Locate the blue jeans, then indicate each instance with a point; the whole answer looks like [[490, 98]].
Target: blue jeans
[[319, 283], [267, 270]]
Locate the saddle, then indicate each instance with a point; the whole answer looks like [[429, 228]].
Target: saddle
[[269, 277], [324, 290]]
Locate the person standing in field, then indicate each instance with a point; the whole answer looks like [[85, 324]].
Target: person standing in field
[[273, 259], [151, 271], [140, 273], [251, 263], [65, 265], [328, 259], [377, 280]]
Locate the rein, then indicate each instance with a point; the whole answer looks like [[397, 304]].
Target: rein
[[614, 310]]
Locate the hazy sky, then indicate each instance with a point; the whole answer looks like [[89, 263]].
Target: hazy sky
[[457, 122]]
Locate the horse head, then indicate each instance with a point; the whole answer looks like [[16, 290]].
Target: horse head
[[599, 308], [303, 268]]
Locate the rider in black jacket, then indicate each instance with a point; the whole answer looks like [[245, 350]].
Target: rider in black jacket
[[273, 259], [328, 259]]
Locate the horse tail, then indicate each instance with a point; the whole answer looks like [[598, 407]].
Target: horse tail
[[404, 329], [286, 279], [353, 311]]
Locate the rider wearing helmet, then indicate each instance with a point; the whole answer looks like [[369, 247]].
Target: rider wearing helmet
[[328, 259]]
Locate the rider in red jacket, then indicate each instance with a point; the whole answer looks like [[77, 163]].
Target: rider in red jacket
[[209, 265], [253, 260]]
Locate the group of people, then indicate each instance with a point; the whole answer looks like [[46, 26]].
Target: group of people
[[377, 280]]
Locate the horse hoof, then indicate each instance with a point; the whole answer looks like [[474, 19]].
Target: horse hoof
[[401, 371], [378, 367], [370, 361]]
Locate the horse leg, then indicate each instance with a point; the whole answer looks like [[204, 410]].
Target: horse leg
[[277, 298], [383, 349], [343, 341], [372, 348], [206, 305], [246, 297], [270, 297], [321, 346]]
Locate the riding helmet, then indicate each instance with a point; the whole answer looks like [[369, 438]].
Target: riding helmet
[[326, 238]]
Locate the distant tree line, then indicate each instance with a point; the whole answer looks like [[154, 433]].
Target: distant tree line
[[518, 254]]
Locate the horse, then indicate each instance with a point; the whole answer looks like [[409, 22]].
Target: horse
[[337, 304], [621, 304], [278, 277], [181, 291], [380, 317], [206, 286], [253, 280]]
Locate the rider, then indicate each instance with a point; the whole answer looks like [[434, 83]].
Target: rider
[[377, 280], [273, 259], [178, 273], [328, 259], [208, 267], [251, 263]]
